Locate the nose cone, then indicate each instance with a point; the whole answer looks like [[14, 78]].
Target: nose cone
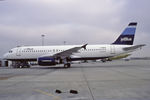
[[5, 56]]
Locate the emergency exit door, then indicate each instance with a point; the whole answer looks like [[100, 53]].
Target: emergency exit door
[[112, 49]]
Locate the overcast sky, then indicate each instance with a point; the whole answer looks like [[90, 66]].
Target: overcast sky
[[22, 22]]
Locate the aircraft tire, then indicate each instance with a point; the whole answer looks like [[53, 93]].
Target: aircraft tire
[[68, 65]]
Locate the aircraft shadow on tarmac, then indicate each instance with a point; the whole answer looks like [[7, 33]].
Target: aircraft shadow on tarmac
[[83, 66]]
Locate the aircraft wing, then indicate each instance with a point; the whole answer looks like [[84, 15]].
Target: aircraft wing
[[133, 47], [66, 53], [69, 52]]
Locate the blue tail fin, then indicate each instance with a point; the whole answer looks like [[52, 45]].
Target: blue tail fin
[[127, 36]]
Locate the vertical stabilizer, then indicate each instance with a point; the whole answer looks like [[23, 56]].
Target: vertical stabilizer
[[127, 36]]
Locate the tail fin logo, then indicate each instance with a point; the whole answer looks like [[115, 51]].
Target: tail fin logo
[[126, 39]]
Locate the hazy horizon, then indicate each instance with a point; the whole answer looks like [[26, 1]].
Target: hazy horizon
[[22, 22]]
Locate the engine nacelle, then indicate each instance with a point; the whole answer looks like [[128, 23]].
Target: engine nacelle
[[46, 61]]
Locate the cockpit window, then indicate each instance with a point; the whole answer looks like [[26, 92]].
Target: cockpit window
[[10, 51]]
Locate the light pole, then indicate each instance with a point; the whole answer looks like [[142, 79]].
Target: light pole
[[42, 39], [64, 42]]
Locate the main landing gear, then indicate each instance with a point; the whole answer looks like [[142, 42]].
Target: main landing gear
[[67, 62], [67, 65]]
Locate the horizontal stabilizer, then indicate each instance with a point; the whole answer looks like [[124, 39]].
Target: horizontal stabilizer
[[133, 47]]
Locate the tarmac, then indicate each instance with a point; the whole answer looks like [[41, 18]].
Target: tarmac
[[115, 80]]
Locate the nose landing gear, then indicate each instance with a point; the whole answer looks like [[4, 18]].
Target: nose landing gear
[[20, 64]]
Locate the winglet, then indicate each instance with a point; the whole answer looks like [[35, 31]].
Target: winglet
[[84, 46]]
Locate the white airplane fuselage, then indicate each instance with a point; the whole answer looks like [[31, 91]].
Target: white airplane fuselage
[[91, 51], [65, 54]]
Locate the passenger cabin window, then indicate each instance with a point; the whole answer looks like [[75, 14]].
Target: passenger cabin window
[[102, 49], [10, 51]]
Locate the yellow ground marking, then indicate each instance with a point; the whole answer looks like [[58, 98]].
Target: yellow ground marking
[[4, 78], [48, 94]]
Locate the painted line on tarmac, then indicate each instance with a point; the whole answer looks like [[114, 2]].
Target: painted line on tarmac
[[48, 94]]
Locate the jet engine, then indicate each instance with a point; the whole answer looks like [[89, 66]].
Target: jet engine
[[46, 61]]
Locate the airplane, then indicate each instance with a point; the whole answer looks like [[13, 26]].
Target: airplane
[[65, 54]]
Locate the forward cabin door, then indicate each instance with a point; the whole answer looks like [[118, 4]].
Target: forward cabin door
[[18, 53]]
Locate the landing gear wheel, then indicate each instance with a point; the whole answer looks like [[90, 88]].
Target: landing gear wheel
[[103, 60], [68, 65]]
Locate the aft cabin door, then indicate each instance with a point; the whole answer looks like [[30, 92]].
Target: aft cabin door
[[18, 53], [112, 49]]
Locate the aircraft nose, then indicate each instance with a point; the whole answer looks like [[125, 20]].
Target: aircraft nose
[[5, 56]]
